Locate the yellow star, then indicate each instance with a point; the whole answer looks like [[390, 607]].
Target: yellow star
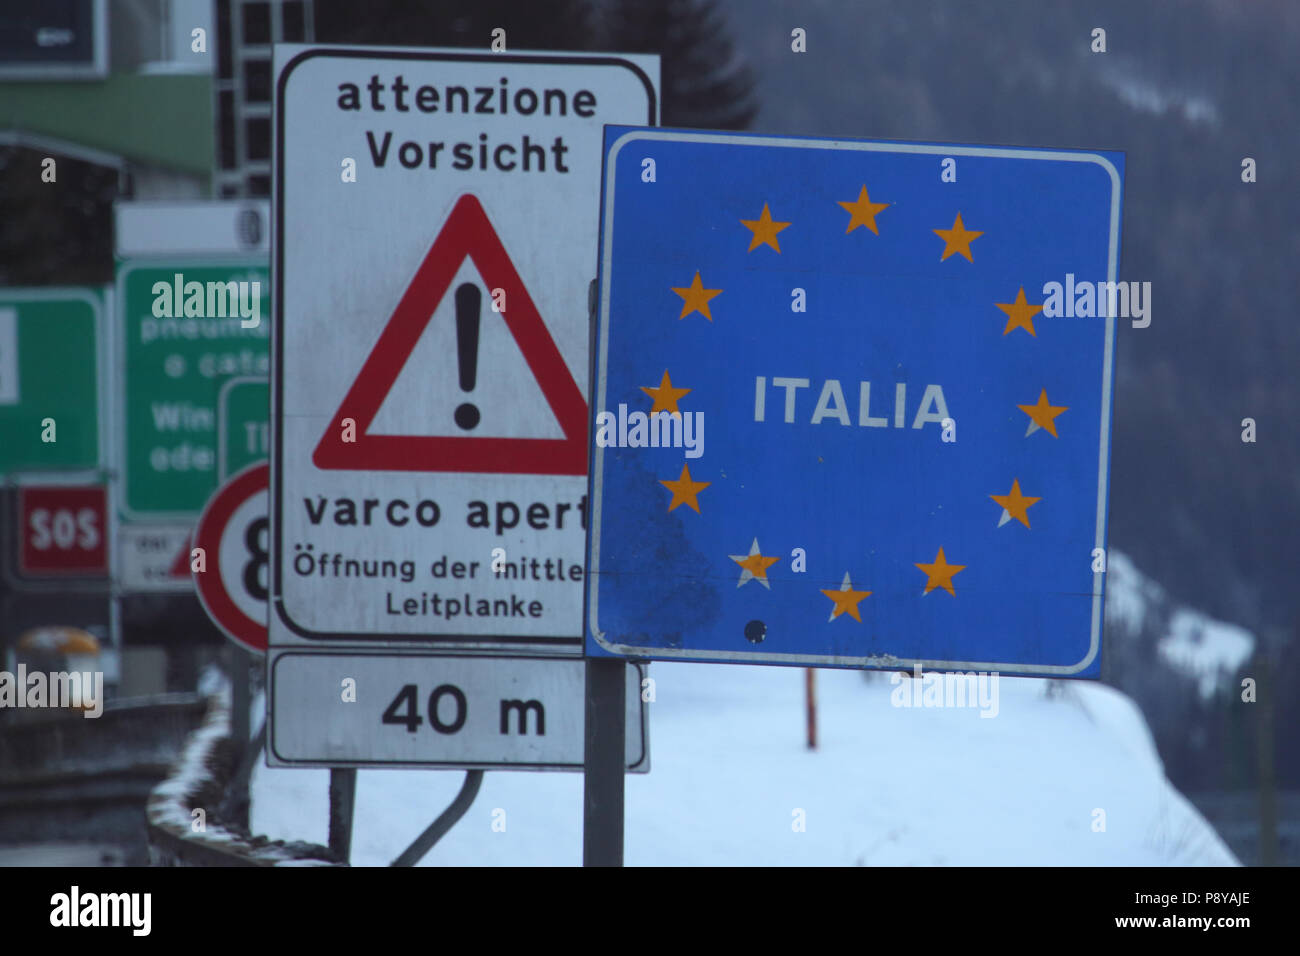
[[1020, 314], [753, 566], [764, 230], [696, 298], [939, 574], [684, 491], [665, 395], [1015, 505], [1042, 415], [862, 211], [846, 599], [957, 239]]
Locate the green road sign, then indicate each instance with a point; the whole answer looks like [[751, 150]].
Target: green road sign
[[244, 424], [187, 328], [50, 379]]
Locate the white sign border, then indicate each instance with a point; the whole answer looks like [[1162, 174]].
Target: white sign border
[[294, 54], [274, 760]]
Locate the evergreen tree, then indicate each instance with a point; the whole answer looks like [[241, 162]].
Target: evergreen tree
[[706, 83], [559, 25]]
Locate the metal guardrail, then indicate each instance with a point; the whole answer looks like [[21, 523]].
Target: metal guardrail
[[65, 777], [134, 775], [55, 745], [180, 836]]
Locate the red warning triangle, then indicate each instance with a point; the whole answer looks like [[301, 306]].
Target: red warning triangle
[[180, 568], [466, 234]]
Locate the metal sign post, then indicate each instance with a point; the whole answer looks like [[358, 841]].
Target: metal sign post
[[602, 782]]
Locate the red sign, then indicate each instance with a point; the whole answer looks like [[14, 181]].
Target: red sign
[[232, 579], [181, 566], [467, 234], [63, 531]]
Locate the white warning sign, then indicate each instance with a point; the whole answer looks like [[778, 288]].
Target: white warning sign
[[437, 224], [154, 558]]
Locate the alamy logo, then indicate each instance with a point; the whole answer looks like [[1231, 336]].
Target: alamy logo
[[1123, 300], [133, 910], [956, 689], [660, 430], [82, 690], [213, 300]]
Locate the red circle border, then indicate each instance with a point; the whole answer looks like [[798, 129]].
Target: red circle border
[[221, 607]]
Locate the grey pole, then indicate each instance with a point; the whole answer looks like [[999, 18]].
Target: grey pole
[[446, 820], [604, 733], [240, 731], [604, 759], [343, 792]]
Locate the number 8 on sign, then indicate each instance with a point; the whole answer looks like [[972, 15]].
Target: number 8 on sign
[[231, 575]]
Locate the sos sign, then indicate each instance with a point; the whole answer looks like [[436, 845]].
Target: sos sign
[[62, 531]]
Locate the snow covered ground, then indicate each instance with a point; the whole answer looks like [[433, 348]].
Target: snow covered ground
[[888, 785]]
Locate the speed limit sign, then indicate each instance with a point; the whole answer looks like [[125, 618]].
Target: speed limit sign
[[230, 572]]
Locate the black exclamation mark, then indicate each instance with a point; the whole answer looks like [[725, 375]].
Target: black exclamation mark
[[468, 301]]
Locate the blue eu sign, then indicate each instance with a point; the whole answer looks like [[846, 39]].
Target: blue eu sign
[[852, 402]]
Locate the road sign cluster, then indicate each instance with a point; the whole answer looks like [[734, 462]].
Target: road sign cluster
[[111, 399], [369, 450]]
